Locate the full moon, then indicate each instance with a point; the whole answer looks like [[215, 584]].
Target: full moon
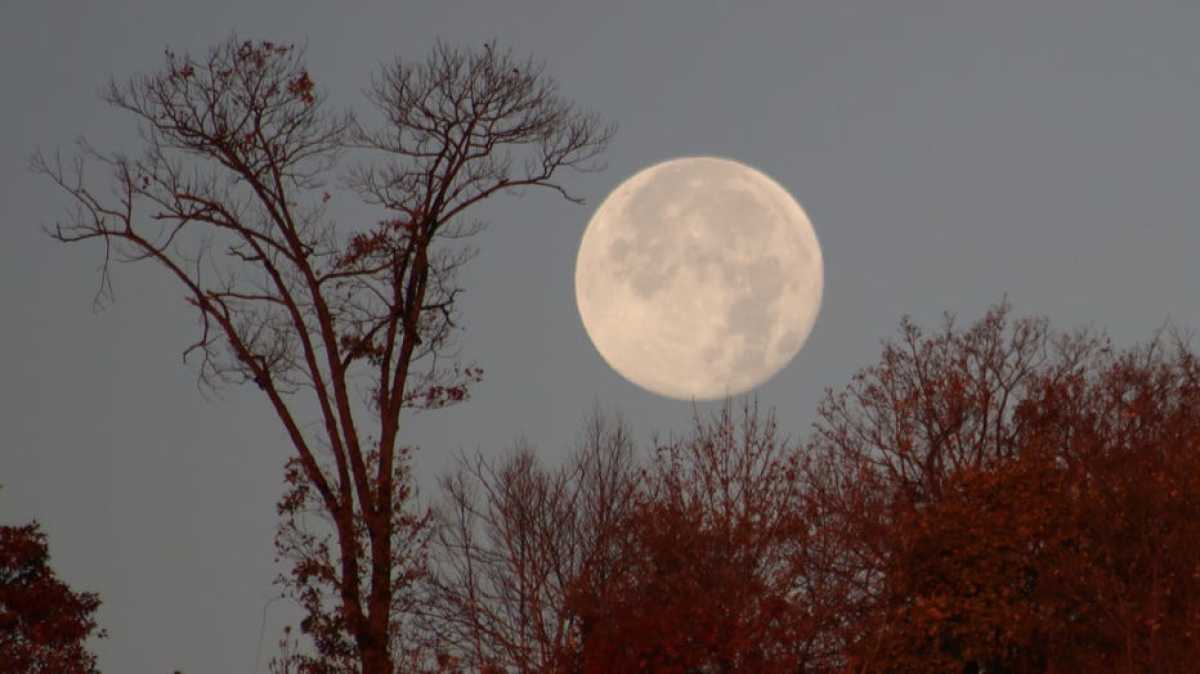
[[699, 278]]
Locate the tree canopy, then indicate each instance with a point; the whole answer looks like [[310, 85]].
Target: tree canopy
[[44, 624], [997, 497]]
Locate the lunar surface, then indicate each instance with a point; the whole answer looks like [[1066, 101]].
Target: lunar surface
[[699, 278]]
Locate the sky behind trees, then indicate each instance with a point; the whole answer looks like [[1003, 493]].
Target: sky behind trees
[[947, 154]]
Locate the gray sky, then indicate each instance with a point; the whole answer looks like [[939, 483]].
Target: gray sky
[[947, 153]]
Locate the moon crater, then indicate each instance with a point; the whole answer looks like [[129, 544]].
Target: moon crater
[[699, 278]]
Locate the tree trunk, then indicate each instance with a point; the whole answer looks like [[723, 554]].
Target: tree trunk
[[375, 658]]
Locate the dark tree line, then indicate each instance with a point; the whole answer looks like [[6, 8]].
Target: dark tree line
[[997, 498]]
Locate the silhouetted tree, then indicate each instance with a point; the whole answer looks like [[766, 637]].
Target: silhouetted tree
[[514, 538], [228, 196], [998, 498], [1005, 499], [711, 573], [691, 562], [934, 405], [44, 624]]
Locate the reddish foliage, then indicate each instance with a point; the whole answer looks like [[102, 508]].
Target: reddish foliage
[[1003, 499], [709, 574], [301, 86], [434, 396], [685, 601], [315, 574], [996, 499], [44, 625]]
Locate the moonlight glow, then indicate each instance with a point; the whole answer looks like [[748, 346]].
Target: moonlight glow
[[699, 278]]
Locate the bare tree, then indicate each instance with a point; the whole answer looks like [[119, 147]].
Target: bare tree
[[228, 195], [514, 537]]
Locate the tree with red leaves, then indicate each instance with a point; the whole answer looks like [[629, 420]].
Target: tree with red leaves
[[886, 448], [1004, 499], [997, 499], [710, 575], [993, 499], [691, 562], [44, 624], [229, 197]]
